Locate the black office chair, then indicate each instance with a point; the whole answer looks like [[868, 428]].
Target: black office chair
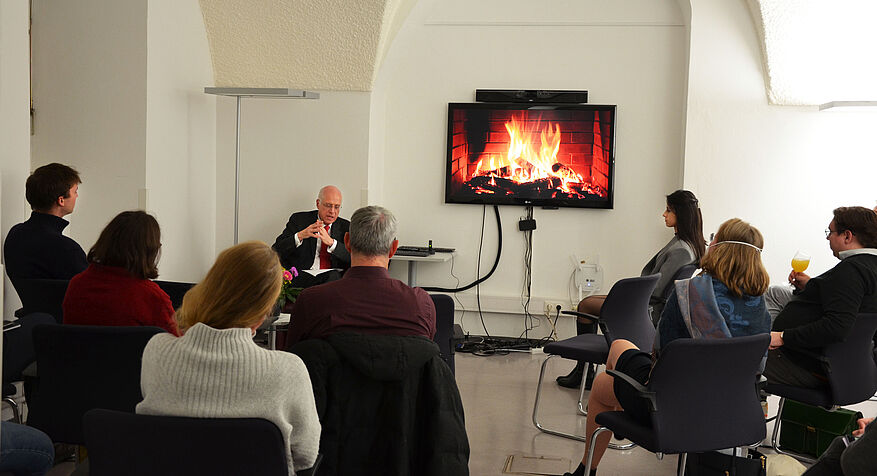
[[851, 371], [84, 367], [702, 395], [444, 327], [175, 291], [684, 272], [41, 295], [624, 315], [147, 445], [18, 354]]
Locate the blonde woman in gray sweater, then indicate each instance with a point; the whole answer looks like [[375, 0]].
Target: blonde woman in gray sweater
[[215, 370]]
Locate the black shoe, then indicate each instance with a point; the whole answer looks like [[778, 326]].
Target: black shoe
[[573, 379]]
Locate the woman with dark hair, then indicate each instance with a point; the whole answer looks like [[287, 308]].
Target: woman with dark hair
[[115, 289], [726, 300], [687, 246]]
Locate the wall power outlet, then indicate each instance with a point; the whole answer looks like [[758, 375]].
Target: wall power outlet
[[551, 307]]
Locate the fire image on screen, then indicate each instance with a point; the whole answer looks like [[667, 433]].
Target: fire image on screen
[[524, 154]]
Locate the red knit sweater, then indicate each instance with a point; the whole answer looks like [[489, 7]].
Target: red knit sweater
[[110, 296]]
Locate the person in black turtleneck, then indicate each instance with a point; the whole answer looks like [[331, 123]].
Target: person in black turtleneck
[[36, 249]]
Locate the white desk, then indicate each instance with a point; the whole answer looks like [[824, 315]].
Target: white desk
[[413, 260]]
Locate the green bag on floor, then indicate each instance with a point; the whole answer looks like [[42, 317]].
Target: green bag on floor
[[809, 430]]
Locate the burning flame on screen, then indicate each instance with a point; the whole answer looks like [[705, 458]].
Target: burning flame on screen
[[531, 156]]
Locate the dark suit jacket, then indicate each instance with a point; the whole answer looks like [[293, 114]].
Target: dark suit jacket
[[303, 256]]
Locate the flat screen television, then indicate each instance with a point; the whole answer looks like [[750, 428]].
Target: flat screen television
[[531, 154]]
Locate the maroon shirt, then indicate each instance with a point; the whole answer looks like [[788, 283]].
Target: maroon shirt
[[366, 300], [110, 296]]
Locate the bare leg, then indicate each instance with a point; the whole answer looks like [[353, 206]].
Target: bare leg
[[602, 399]]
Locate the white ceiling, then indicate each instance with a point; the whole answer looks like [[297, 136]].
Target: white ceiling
[[813, 51], [816, 51]]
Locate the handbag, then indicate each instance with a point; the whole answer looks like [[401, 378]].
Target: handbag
[[713, 463], [810, 430]]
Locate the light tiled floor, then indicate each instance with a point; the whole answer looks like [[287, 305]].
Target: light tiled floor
[[498, 394]]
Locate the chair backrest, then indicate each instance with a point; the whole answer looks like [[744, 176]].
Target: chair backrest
[[684, 272], [85, 367], [42, 295], [444, 327], [706, 393], [175, 291], [625, 312], [852, 371], [18, 351], [146, 445]]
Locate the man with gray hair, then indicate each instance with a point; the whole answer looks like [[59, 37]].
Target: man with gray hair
[[366, 299]]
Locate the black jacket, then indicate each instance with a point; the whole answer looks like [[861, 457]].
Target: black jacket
[[825, 310], [36, 249], [303, 256], [388, 405]]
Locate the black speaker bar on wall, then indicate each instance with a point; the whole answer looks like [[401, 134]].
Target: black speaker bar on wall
[[531, 95]]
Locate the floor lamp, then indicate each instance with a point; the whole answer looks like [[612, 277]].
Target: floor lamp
[[238, 94]]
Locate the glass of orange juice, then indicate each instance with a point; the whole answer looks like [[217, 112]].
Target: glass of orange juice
[[800, 261]]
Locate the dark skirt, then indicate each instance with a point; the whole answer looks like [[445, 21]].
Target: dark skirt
[[637, 364]]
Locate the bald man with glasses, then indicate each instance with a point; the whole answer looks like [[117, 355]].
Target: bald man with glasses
[[313, 242]]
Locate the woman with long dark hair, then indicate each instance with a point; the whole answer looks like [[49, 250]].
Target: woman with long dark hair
[[687, 246], [116, 288]]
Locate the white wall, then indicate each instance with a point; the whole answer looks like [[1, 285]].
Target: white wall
[[14, 126], [180, 138], [118, 93], [629, 53], [782, 168], [289, 149], [89, 87]]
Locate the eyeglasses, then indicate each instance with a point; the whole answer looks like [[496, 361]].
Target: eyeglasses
[[827, 232], [329, 206]]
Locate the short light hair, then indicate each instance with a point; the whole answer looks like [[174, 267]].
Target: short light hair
[[239, 290], [736, 265], [372, 231]]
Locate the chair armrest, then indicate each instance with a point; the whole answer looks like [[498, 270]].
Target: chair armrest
[[640, 389], [582, 314], [10, 325]]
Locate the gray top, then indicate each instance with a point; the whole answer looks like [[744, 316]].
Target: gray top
[[222, 373], [674, 255]]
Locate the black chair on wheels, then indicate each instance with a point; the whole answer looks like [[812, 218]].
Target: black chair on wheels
[[624, 315], [851, 371], [702, 395], [18, 354], [85, 367], [147, 445], [41, 295]]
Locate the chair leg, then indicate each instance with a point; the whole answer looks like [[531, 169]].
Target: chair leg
[[775, 441], [16, 414], [536, 421], [592, 445], [582, 410], [683, 459]]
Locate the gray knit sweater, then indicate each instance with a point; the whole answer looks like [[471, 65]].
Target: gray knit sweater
[[221, 373]]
